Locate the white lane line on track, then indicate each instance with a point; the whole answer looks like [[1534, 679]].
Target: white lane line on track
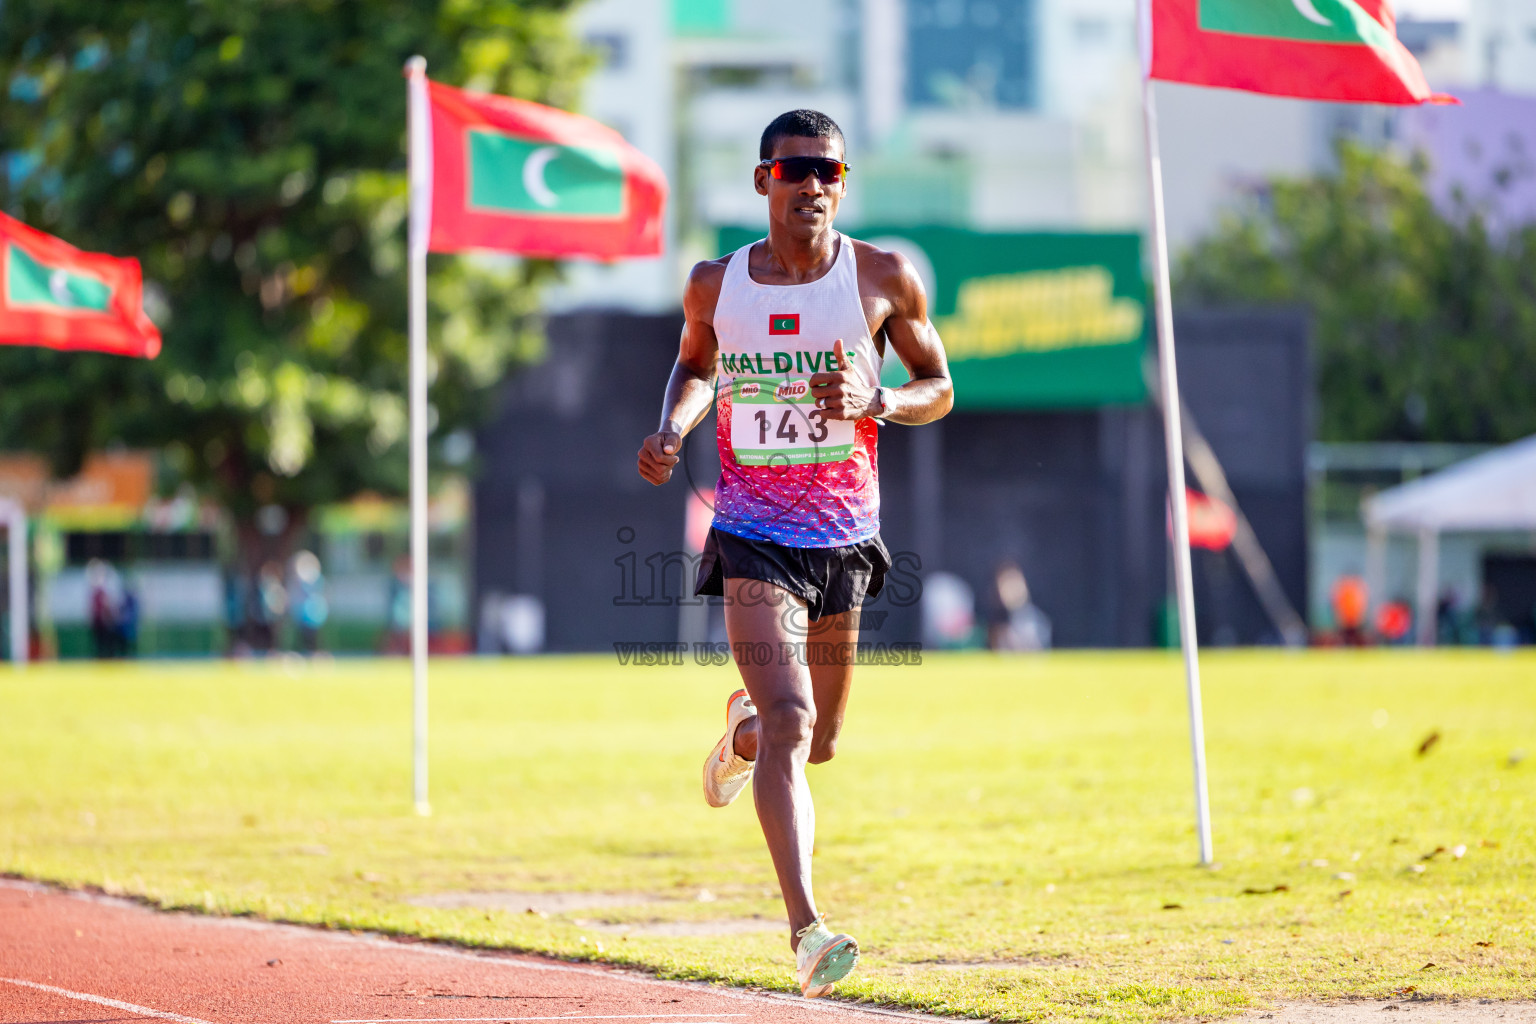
[[600, 1016], [508, 959], [116, 1004]]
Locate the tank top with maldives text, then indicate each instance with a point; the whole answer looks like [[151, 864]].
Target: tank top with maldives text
[[788, 474]]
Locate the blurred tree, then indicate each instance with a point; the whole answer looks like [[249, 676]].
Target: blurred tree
[[1425, 323], [251, 153]]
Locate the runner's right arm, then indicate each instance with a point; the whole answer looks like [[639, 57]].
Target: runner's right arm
[[691, 387]]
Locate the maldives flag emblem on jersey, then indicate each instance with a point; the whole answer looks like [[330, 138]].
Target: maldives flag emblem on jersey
[[515, 176], [1342, 50], [784, 323], [55, 296]]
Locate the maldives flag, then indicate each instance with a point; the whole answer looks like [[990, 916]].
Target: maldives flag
[[520, 177], [54, 295], [1343, 50]]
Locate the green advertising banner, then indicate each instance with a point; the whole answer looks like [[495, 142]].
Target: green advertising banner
[[1030, 321]]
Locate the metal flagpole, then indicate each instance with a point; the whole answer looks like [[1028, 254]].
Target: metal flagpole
[[1174, 442], [15, 518], [420, 169]]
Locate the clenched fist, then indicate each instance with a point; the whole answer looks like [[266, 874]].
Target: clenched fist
[[658, 454], [841, 392]]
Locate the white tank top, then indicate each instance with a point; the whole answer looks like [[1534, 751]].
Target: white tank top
[[788, 474]]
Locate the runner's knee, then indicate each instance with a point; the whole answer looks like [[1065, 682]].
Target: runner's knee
[[785, 724]]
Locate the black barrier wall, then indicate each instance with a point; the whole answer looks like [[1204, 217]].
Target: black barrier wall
[[1075, 498]]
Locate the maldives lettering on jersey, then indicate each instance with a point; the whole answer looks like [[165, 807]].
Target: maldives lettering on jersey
[[798, 361]]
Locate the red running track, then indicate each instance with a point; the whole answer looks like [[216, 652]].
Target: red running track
[[71, 957]]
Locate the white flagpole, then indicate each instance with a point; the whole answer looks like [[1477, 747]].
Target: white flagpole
[[15, 518], [420, 163], [1173, 436]]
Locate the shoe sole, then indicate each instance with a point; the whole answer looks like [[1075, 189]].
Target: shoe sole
[[709, 766], [718, 754], [839, 958]]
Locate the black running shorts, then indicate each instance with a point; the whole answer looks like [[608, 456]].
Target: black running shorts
[[829, 580]]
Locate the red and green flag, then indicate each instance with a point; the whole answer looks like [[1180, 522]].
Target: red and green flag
[[515, 176], [1341, 50], [55, 296]]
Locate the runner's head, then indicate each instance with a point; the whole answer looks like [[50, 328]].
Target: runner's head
[[802, 171]]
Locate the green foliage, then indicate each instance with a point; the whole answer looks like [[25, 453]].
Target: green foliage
[[1425, 324], [251, 153]]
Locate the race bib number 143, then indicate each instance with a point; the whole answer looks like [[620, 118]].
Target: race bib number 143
[[776, 423]]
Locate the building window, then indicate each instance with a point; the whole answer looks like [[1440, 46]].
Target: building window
[[611, 48], [1091, 31], [971, 53]]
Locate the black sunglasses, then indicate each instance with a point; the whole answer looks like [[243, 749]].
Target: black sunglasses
[[798, 168]]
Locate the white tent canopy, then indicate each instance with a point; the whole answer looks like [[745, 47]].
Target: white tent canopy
[[1493, 491]]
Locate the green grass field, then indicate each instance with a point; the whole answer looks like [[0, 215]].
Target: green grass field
[[1007, 837]]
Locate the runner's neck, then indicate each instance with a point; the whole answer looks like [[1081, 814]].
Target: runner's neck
[[788, 260]]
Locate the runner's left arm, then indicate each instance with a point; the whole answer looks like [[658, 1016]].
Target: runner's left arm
[[929, 395]]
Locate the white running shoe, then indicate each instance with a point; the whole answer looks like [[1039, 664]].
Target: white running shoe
[[726, 773], [823, 959]]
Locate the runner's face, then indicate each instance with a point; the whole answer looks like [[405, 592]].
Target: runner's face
[[804, 208]]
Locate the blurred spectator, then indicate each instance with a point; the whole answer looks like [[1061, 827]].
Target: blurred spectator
[[1455, 621], [128, 621], [1394, 622], [270, 607], [101, 579], [397, 636], [948, 610], [310, 608], [1350, 601], [1489, 620], [236, 594], [1014, 623]]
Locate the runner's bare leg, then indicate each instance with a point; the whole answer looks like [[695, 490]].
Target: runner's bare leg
[[833, 640], [799, 712]]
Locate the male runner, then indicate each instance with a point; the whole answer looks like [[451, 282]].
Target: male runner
[[796, 325]]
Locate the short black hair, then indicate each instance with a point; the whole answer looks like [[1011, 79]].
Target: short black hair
[[805, 124]]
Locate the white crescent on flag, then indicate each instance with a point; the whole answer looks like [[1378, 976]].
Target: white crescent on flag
[[533, 177], [1311, 13], [58, 287]]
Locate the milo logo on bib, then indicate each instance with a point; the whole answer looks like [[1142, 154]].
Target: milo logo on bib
[[776, 423]]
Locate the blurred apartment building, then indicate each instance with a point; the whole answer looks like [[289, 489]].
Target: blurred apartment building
[[989, 114], [997, 115]]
